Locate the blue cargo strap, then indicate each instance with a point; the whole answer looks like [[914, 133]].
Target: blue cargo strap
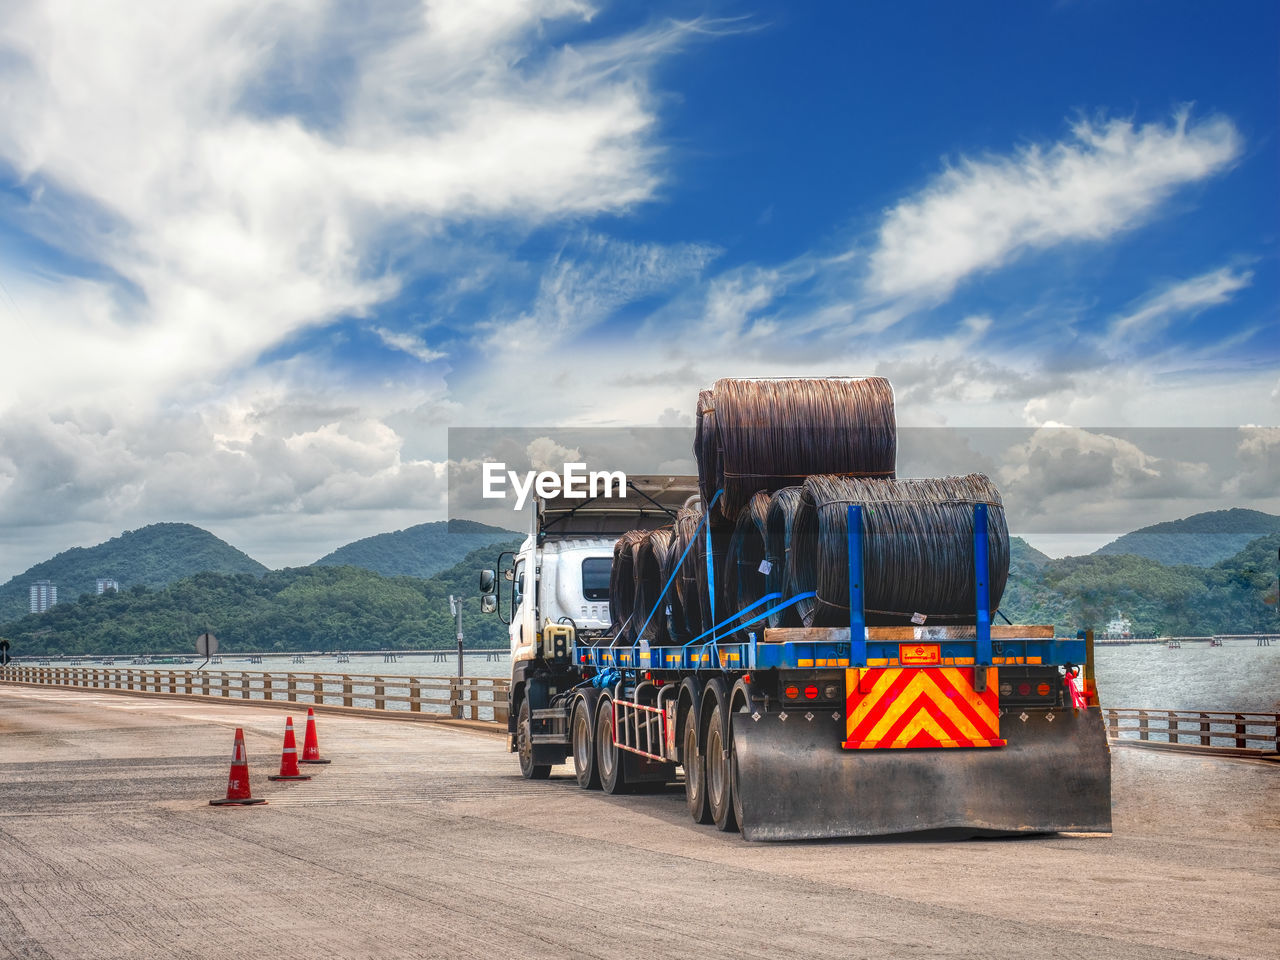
[[760, 616], [741, 613], [711, 573], [674, 573]]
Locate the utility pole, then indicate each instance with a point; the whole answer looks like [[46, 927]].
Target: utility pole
[[455, 607]]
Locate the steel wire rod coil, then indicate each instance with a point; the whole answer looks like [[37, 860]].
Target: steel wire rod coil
[[724, 605], [745, 570], [765, 434], [918, 557], [622, 585], [779, 519], [652, 567], [706, 449], [673, 613], [686, 585]]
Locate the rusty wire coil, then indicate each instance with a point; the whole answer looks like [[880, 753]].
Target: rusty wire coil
[[652, 559], [622, 585], [779, 519], [765, 434], [745, 569], [917, 548]]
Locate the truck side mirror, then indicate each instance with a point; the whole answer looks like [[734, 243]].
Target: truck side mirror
[[488, 603], [487, 581]]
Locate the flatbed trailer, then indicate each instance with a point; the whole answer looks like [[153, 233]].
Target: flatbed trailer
[[800, 733]]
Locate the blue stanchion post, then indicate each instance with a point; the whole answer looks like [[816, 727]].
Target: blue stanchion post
[[857, 611], [711, 577], [982, 582]]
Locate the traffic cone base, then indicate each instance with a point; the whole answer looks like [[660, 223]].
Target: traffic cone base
[[289, 757], [238, 781], [310, 744]]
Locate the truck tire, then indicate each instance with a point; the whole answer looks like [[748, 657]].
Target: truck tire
[[695, 772], [609, 759], [584, 747], [524, 747], [719, 780], [733, 779]]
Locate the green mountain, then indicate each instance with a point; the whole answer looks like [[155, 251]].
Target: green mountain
[[1200, 540], [1023, 554], [152, 556], [419, 551], [1235, 595], [296, 609]]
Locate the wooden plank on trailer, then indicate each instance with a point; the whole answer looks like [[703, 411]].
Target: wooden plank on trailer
[[908, 634]]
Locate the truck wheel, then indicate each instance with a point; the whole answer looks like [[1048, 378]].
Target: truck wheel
[[584, 748], [719, 781], [613, 778], [695, 773], [524, 746]]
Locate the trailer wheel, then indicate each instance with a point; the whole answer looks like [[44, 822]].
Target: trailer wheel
[[719, 780], [733, 775], [524, 746], [584, 748], [695, 772], [613, 778]]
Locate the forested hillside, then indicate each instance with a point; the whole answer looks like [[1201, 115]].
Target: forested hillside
[[419, 551], [1236, 595], [154, 555], [1200, 540], [300, 608]]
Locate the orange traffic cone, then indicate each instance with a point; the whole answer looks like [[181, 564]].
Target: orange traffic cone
[[238, 782], [289, 758], [310, 745]]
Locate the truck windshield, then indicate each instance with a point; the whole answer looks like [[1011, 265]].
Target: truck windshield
[[595, 577]]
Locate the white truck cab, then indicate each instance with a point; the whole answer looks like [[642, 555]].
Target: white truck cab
[[558, 580]]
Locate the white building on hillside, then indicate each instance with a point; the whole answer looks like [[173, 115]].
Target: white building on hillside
[[43, 595]]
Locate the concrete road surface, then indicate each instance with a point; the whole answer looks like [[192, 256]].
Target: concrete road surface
[[423, 841]]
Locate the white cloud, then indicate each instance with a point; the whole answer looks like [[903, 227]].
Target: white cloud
[[1186, 296], [226, 166], [406, 343], [588, 281], [982, 214]]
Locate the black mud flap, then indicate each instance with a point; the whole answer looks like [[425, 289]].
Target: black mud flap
[[796, 781]]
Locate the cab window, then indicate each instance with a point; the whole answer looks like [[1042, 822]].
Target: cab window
[[595, 577]]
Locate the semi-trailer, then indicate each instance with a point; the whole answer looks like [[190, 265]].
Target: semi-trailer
[[792, 732]]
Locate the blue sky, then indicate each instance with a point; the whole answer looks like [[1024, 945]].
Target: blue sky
[[258, 257]]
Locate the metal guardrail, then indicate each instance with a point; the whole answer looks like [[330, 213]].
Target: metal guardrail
[[463, 698], [487, 698], [1204, 728]]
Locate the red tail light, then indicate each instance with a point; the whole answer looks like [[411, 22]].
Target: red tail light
[[811, 692], [1024, 689]]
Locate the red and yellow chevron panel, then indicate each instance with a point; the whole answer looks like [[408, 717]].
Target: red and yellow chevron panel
[[911, 707]]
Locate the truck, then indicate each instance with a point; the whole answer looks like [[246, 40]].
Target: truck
[[794, 732]]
